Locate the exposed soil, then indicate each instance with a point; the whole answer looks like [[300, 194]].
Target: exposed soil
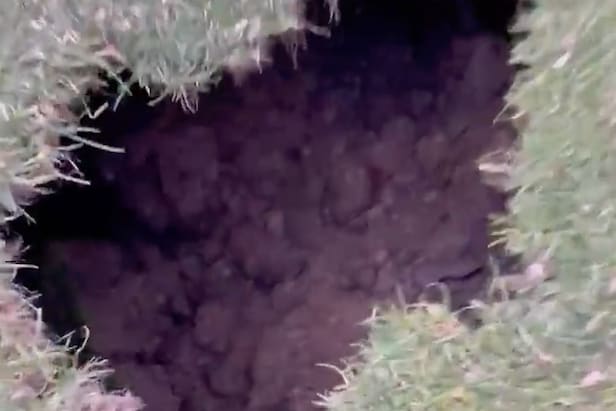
[[244, 244]]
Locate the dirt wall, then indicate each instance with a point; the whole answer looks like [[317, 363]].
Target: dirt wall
[[237, 248]]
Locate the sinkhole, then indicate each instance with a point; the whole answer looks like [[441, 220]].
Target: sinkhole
[[227, 252]]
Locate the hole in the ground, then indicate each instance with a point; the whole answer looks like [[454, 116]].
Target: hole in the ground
[[228, 252]]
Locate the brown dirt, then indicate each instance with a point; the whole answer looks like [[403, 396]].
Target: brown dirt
[[280, 213]]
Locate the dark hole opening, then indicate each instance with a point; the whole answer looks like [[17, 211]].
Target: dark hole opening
[[227, 252]]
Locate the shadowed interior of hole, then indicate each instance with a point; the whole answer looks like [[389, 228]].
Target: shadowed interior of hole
[[353, 87]]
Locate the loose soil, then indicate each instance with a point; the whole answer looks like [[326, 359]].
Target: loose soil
[[247, 242]]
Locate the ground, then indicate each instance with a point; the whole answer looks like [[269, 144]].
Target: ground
[[247, 242]]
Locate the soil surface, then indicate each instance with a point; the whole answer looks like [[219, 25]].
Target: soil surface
[[263, 229]]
